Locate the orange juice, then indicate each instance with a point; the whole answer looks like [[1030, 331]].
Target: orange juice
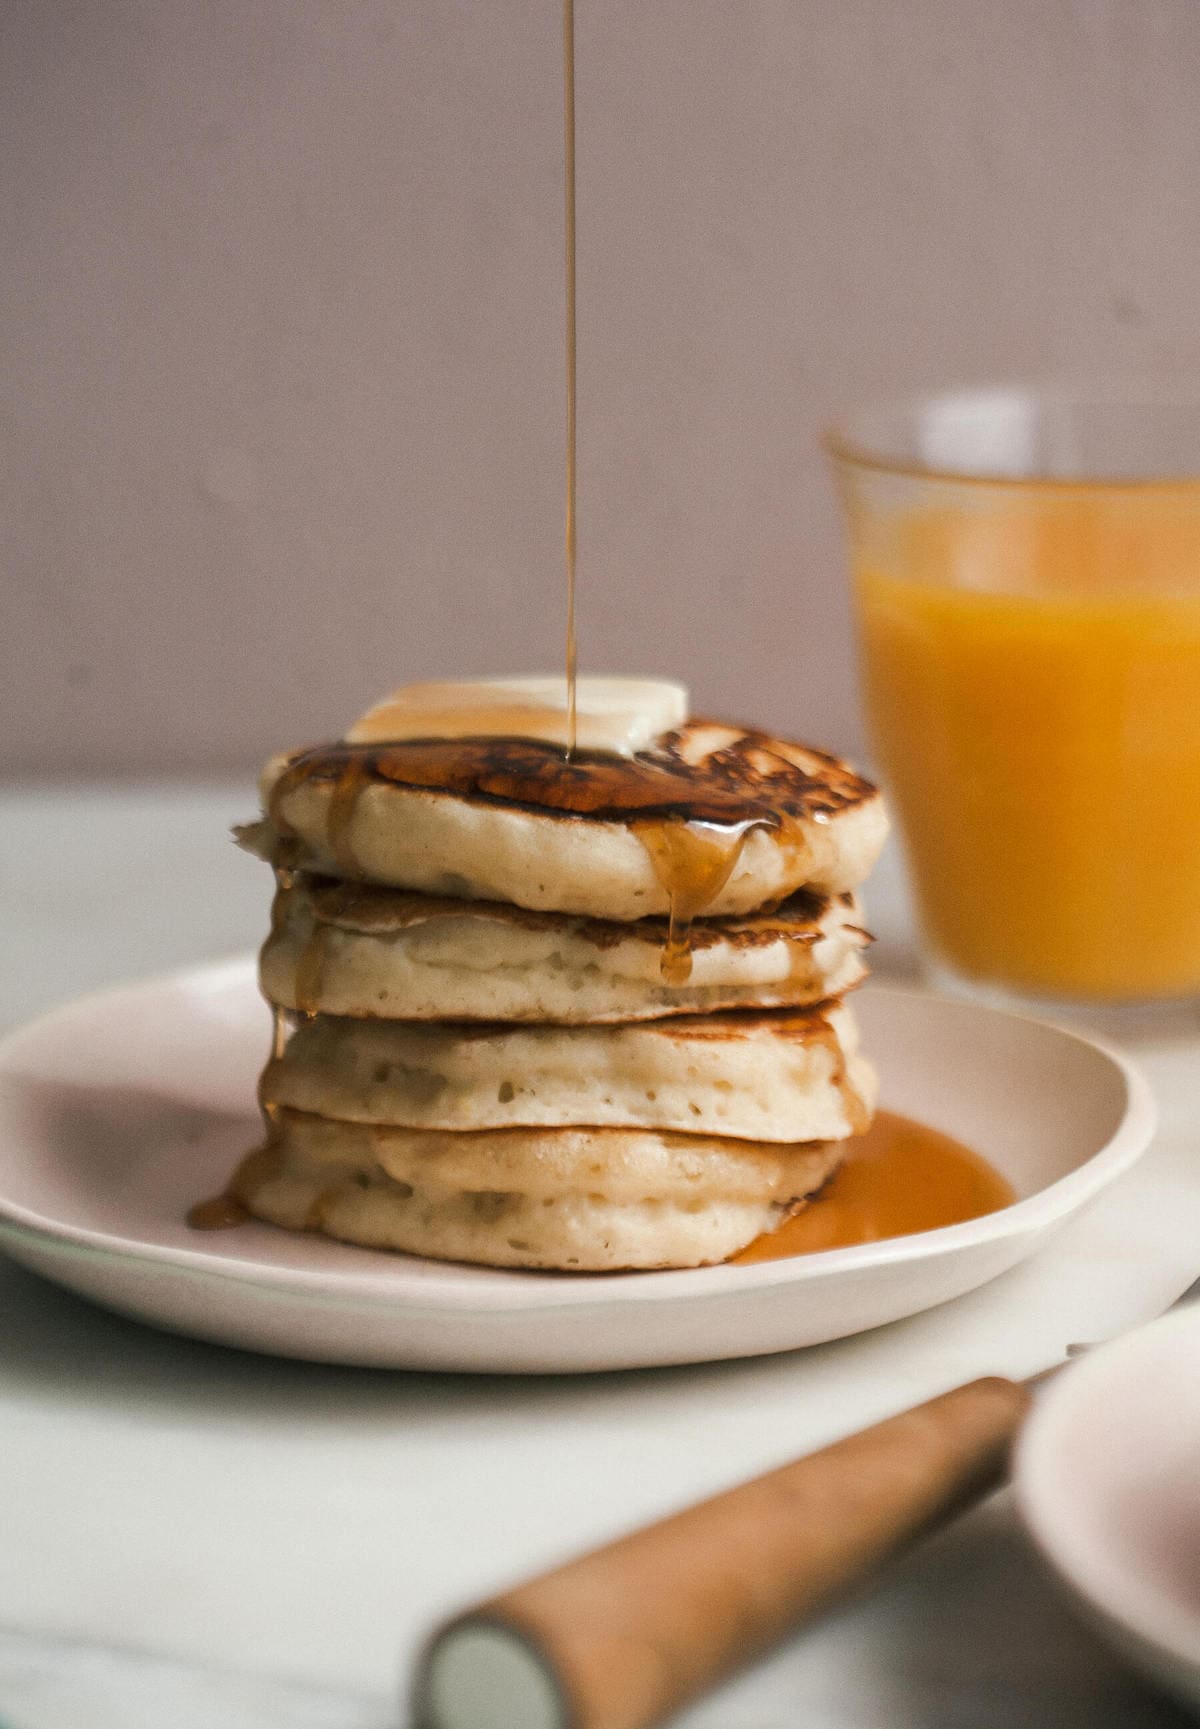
[[1033, 679]]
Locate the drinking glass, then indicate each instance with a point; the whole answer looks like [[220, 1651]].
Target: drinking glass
[[1026, 572]]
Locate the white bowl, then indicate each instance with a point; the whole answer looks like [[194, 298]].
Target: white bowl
[[1108, 1483]]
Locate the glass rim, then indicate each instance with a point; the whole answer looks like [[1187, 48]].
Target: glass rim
[[848, 448]]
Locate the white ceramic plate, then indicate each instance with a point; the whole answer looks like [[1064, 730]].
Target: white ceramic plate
[[120, 1110], [1108, 1481]]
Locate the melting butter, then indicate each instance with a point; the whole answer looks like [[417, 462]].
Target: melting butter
[[617, 715]]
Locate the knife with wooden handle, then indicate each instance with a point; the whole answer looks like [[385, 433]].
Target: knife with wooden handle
[[628, 1635]]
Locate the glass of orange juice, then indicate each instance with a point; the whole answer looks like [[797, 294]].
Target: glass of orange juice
[[1026, 569]]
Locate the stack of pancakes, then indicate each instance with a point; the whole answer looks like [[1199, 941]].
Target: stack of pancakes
[[580, 1013]]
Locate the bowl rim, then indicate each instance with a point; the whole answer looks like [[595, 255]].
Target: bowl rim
[[1123, 1596]]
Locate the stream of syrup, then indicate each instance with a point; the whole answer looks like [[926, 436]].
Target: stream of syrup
[[692, 848], [692, 867], [569, 232], [693, 831], [897, 1178]]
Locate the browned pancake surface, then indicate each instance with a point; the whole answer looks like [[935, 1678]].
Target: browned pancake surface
[[705, 772]]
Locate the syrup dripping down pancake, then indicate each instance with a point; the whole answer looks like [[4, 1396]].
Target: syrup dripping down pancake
[[712, 820]]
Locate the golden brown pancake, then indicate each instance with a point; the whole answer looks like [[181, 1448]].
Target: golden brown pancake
[[358, 949], [583, 1200], [717, 819], [775, 1075]]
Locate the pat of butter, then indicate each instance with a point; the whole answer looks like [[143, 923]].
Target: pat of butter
[[617, 715]]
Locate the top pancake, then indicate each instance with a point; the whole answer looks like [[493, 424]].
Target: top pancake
[[723, 819]]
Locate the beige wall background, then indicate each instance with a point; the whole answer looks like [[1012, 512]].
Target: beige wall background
[[280, 305]]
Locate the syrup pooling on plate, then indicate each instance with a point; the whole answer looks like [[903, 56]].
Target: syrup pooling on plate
[[897, 1179], [221, 1213], [225, 1211]]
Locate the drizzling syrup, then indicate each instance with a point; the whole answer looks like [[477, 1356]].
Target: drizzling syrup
[[693, 861], [569, 233], [285, 881], [310, 971], [343, 807]]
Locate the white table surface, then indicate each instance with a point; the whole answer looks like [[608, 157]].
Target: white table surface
[[192, 1536]]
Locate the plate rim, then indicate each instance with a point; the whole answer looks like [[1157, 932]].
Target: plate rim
[[374, 1288]]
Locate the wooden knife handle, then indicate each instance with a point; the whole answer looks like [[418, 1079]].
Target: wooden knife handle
[[625, 1636]]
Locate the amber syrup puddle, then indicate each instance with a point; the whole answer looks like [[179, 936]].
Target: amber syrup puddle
[[224, 1211], [898, 1178], [221, 1213]]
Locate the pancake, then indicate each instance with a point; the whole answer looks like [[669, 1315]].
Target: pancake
[[785, 1075], [718, 819], [360, 950], [599, 1200]]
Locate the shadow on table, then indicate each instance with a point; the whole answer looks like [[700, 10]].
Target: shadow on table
[[59, 1344], [969, 1632]]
